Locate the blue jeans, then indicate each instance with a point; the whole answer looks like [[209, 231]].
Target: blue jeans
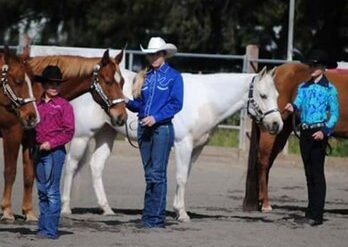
[[48, 174], [155, 144]]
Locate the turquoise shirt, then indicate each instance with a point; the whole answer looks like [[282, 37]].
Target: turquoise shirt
[[318, 103]]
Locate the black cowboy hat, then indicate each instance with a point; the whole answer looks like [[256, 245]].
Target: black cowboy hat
[[319, 57], [50, 74]]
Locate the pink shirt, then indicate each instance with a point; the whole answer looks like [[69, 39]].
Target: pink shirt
[[57, 124]]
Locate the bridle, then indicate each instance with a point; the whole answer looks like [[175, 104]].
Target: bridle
[[259, 114], [16, 102], [96, 87]]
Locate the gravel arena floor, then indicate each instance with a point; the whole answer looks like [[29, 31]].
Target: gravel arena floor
[[214, 197]]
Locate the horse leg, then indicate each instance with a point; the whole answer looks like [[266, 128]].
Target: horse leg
[[28, 176], [104, 144], [269, 151], [77, 149], [183, 152], [11, 142], [251, 198], [263, 162]]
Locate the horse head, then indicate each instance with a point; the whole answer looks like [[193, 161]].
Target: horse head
[[16, 89], [107, 87], [262, 102]]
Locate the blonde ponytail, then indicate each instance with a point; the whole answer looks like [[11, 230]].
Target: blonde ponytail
[[138, 82]]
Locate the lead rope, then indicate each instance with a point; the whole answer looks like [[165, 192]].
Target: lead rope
[[129, 139], [327, 147]]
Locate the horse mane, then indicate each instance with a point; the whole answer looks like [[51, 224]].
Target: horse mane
[[138, 82], [71, 66]]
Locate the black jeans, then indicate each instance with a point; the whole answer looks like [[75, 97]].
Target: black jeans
[[313, 155]]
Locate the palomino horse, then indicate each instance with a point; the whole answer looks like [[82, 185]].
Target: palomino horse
[[264, 148], [208, 99], [95, 75]]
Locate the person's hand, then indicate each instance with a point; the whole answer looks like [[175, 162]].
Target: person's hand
[[319, 135], [289, 107], [148, 121], [45, 146]]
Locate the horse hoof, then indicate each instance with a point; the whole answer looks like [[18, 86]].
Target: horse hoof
[[266, 209], [65, 212], [109, 213], [7, 218], [183, 218], [31, 218]]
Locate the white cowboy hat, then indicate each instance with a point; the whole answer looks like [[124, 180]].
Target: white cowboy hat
[[158, 44]]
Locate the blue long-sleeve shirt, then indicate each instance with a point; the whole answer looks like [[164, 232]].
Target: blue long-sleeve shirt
[[161, 94], [318, 103]]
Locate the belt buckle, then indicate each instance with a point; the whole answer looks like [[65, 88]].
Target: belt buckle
[[305, 126]]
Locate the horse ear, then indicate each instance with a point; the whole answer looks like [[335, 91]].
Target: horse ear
[[119, 57], [7, 54], [105, 60], [273, 71], [26, 53], [263, 71]]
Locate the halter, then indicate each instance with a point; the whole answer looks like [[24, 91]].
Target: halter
[[16, 101], [99, 90], [259, 114]]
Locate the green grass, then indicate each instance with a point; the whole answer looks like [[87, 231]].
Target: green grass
[[229, 138], [224, 138]]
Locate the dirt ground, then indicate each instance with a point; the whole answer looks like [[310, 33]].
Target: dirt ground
[[214, 197]]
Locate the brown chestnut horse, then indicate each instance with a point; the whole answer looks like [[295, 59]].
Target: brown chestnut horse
[[264, 147], [96, 75], [16, 95]]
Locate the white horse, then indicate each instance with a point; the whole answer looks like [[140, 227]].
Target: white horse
[[208, 99]]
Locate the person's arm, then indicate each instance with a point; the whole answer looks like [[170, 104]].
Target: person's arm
[[298, 99], [175, 101], [292, 106], [334, 112], [68, 128], [134, 105]]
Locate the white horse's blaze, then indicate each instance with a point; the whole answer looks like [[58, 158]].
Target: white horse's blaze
[[208, 99]]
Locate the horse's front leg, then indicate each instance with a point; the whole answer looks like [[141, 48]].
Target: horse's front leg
[[268, 152], [28, 177], [183, 152], [77, 149], [270, 147], [11, 143], [265, 149], [104, 144]]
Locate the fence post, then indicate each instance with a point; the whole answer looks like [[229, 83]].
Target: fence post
[[252, 52], [130, 60]]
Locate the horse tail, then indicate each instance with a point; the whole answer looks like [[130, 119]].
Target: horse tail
[[251, 199], [138, 82]]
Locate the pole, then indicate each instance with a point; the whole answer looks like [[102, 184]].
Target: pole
[[291, 29]]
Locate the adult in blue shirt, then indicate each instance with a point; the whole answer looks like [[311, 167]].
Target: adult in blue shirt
[[158, 98], [317, 102]]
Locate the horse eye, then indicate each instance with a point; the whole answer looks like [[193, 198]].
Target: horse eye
[[109, 82], [263, 96]]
